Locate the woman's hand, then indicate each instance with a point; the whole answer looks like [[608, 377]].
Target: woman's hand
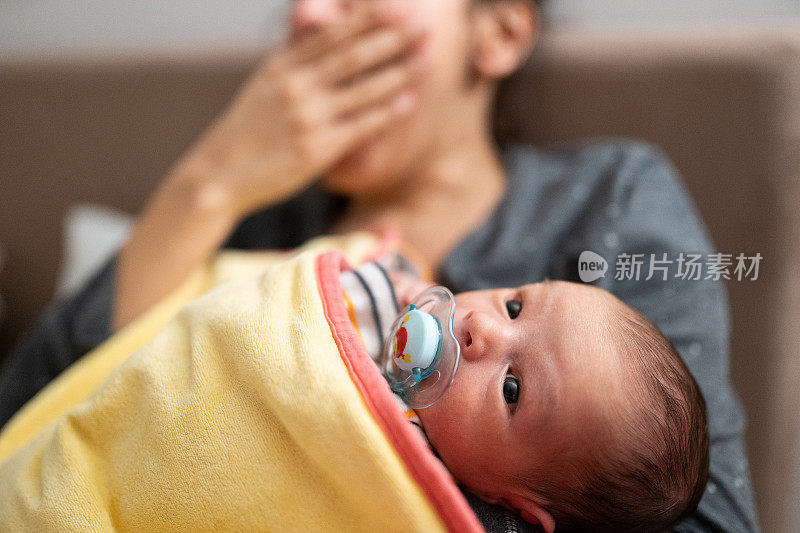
[[306, 106], [303, 109], [407, 286]]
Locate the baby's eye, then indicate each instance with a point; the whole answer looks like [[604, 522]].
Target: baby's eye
[[513, 307], [511, 389]]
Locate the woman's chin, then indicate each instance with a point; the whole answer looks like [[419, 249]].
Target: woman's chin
[[360, 170]]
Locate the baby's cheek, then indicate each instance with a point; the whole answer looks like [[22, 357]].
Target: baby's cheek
[[459, 441], [467, 463], [440, 425]]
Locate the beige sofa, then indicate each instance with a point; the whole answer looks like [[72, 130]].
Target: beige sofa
[[724, 103]]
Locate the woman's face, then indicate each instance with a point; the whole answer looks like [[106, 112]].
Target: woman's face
[[386, 158]]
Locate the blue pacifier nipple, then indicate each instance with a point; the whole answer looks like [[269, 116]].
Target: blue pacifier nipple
[[421, 353]]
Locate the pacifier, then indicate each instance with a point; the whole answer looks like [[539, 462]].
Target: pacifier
[[420, 355]]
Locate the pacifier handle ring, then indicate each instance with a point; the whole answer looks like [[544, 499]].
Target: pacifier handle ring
[[429, 375]]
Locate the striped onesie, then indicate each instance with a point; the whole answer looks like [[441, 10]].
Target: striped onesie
[[372, 307]]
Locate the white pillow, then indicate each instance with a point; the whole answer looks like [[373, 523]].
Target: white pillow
[[92, 233]]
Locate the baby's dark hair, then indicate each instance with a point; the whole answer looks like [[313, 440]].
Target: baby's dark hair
[[652, 469]]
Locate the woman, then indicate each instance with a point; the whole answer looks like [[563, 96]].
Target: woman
[[391, 103]]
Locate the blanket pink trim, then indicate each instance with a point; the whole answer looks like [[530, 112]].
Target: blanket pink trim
[[426, 470]]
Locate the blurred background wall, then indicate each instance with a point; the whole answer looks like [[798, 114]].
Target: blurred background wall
[[58, 27]]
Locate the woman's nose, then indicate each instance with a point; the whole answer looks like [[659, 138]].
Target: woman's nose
[[485, 337], [309, 16]]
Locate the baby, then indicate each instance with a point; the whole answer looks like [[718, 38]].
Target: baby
[[568, 406]]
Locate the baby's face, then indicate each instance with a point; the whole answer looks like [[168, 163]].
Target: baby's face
[[539, 375]]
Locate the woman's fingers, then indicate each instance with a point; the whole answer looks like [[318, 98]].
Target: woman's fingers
[[344, 135], [374, 88], [364, 17], [367, 52], [291, 121]]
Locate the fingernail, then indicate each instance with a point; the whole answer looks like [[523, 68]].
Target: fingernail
[[418, 30], [419, 26], [404, 102]]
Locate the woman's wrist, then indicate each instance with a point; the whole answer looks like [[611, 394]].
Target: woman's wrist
[[185, 223], [194, 189]]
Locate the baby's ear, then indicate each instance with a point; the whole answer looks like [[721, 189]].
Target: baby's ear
[[532, 512]]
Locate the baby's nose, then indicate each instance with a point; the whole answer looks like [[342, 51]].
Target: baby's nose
[[483, 337]]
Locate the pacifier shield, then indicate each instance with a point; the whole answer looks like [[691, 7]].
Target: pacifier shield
[[421, 353]]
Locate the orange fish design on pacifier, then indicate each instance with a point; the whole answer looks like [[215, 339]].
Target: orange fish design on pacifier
[[421, 354], [400, 341]]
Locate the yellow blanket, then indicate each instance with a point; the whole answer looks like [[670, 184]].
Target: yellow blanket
[[254, 408]]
